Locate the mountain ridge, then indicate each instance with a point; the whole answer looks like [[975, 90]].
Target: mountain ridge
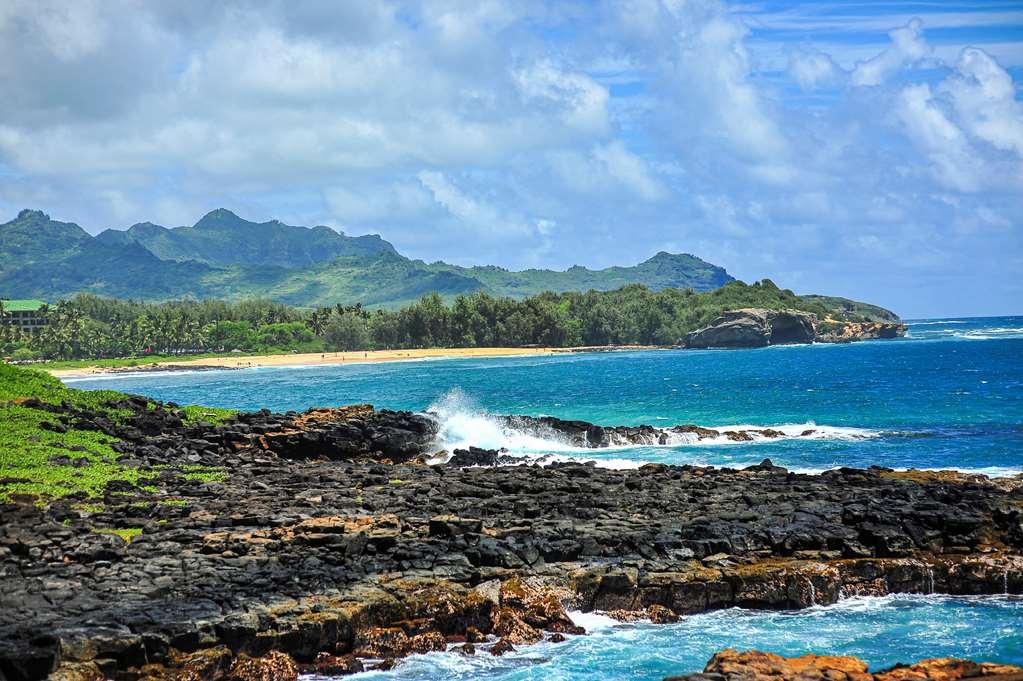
[[225, 256]]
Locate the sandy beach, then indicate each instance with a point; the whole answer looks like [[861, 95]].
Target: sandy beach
[[308, 359]]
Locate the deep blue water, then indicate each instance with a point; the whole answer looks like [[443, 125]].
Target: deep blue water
[[950, 395]]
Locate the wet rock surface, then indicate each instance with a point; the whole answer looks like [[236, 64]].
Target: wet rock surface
[[753, 665], [328, 542], [590, 435]]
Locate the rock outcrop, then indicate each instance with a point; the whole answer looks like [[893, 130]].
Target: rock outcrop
[[847, 332], [753, 665], [593, 436], [755, 328], [310, 548], [758, 327]]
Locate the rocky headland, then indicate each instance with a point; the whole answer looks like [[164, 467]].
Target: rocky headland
[[325, 543], [757, 328]]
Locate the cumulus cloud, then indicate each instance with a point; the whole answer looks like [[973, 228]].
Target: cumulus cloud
[[813, 68], [943, 141], [472, 211], [984, 98], [908, 47], [522, 132]]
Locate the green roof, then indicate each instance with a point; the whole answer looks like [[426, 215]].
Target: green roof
[[22, 305]]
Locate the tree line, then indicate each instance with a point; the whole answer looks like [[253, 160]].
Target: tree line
[[91, 327]]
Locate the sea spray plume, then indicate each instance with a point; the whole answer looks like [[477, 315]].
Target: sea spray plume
[[463, 423]]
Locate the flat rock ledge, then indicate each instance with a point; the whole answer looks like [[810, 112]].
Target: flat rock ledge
[[753, 665], [329, 547]]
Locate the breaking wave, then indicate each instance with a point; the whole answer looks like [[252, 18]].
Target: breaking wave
[[463, 423]]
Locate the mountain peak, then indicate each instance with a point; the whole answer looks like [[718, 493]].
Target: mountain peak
[[28, 213], [219, 217]]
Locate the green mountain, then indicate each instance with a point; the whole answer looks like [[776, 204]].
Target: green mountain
[[225, 256], [223, 238]]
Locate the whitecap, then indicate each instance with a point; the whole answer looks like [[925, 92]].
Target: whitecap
[[592, 621], [463, 423]]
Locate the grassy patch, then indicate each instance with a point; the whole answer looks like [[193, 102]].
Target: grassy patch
[[214, 415], [29, 441], [17, 384], [203, 473], [173, 502], [125, 533], [26, 449]]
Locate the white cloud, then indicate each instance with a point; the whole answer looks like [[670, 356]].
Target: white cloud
[[527, 132], [630, 170], [984, 98], [371, 202], [471, 211], [947, 148], [577, 99], [908, 47], [813, 68]]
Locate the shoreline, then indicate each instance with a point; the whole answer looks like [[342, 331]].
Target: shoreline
[[331, 358], [324, 542]]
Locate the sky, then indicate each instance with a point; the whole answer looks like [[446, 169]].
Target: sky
[[871, 149]]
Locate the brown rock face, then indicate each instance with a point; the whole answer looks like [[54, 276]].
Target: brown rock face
[[753, 665], [274, 666], [857, 331]]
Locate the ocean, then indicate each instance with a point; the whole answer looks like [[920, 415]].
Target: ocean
[[948, 396]]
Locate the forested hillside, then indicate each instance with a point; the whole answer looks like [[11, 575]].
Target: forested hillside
[[89, 326], [224, 256]]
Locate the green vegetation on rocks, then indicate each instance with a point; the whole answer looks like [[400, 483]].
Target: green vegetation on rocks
[[46, 452]]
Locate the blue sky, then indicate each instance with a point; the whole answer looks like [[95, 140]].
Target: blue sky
[[869, 149]]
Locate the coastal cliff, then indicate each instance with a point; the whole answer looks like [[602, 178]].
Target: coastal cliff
[[320, 541], [757, 327]]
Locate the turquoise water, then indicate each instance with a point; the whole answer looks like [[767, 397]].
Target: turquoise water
[[881, 631], [950, 395]]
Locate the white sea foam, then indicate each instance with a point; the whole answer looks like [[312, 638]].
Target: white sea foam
[[592, 621], [121, 375], [463, 423], [939, 322], [992, 333]]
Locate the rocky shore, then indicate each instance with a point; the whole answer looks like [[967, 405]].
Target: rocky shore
[[757, 328], [321, 541], [753, 665]]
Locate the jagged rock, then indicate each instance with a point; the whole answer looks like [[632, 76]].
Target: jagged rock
[[589, 435], [501, 647], [326, 664], [474, 456], [731, 665], [348, 433], [274, 666], [847, 332]]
